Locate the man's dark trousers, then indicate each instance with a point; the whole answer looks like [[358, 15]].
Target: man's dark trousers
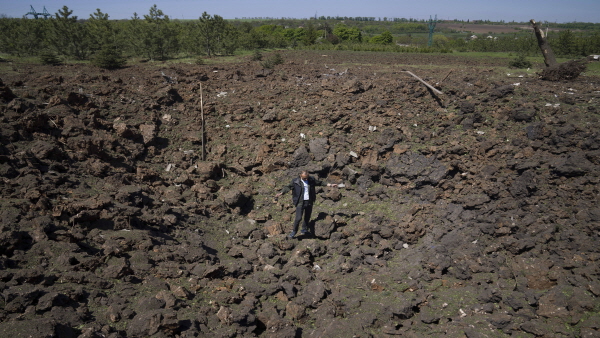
[[303, 207]]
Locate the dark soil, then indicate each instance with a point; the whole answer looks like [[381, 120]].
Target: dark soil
[[471, 214], [568, 70]]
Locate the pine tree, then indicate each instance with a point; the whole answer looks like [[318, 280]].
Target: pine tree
[[109, 57], [67, 36], [48, 57]]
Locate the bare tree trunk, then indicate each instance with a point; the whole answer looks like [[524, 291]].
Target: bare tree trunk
[[547, 52]]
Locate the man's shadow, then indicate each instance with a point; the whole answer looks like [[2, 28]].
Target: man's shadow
[[312, 224]]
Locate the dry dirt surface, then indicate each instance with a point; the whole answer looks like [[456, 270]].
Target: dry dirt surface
[[472, 213]]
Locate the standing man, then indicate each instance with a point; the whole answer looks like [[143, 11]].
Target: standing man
[[303, 196]]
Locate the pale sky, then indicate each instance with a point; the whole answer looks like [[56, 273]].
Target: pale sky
[[507, 10]]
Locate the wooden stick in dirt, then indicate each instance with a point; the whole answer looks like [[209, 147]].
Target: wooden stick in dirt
[[425, 83], [202, 118], [445, 77]]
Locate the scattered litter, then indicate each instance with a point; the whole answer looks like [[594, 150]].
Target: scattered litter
[[414, 125], [480, 132], [353, 154], [474, 242], [227, 231], [125, 230], [316, 267], [222, 94], [555, 105], [373, 281], [167, 117], [302, 135], [372, 128], [215, 71], [516, 84], [405, 246], [188, 152], [169, 167], [520, 75], [444, 305], [508, 74], [462, 313], [341, 185], [227, 126], [283, 140]]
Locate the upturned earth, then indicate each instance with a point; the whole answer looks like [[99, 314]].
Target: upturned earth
[[472, 213]]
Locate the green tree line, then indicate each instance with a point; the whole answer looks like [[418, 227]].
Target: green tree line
[[155, 36]]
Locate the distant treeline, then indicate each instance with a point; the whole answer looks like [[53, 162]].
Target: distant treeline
[[339, 18], [155, 36]]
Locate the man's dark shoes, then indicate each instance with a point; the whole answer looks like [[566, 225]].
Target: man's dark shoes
[[305, 232], [292, 234]]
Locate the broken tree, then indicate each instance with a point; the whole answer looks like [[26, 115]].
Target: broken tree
[[547, 52], [555, 71]]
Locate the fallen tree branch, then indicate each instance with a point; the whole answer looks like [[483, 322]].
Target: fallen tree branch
[[425, 83]]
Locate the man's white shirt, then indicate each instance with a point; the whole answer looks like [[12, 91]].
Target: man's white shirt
[[306, 186]]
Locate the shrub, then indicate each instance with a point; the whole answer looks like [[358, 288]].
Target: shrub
[[520, 62], [334, 40], [385, 38], [257, 56], [49, 58], [277, 59], [109, 57], [274, 60]]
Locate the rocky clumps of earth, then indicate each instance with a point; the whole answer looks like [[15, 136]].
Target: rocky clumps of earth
[[470, 214]]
